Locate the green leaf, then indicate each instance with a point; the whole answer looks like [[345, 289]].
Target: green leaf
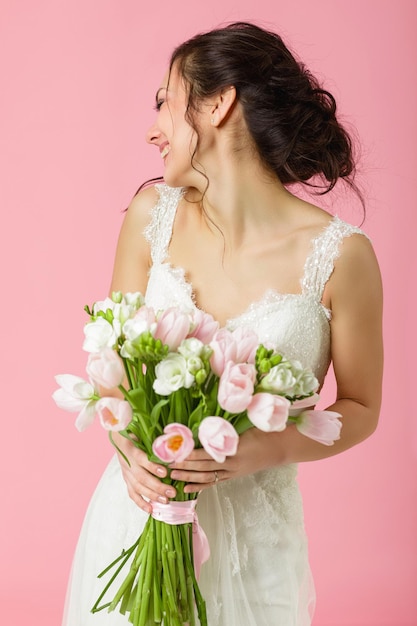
[[156, 412], [242, 424], [137, 398], [196, 417]]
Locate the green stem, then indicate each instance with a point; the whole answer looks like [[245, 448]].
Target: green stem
[[201, 605], [134, 568], [166, 579], [190, 598], [125, 557], [141, 579], [180, 568], [147, 585], [128, 373]]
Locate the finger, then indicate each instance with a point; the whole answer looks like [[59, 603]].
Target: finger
[[139, 458], [143, 484], [199, 454], [194, 466], [194, 477], [197, 487]]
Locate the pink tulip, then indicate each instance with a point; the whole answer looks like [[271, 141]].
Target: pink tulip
[[172, 327], [105, 368], [175, 445], [306, 403], [218, 438], [224, 350], [204, 326], [236, 387], [322, 426], [247, 343], [269, 412], [114, 414]]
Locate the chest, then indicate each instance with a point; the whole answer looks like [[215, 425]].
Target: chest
[[294, 323], [225, 283]]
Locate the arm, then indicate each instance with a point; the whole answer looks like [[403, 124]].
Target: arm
[[131, 274], [354, 295]]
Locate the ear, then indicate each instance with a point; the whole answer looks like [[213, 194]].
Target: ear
[[222, 105]]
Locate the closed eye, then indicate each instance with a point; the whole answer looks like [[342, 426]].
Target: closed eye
[[158, 104], [159, 99]]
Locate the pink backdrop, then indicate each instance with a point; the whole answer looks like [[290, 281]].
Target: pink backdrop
[[78, 79]]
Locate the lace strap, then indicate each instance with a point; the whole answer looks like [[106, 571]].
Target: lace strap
[[325, 250], [159, 230]]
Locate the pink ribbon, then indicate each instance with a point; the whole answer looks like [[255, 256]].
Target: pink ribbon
[[175, 513]]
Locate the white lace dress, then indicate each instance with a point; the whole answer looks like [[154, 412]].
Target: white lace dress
[[258, 572]]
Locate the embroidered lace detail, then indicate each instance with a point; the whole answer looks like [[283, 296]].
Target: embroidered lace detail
[[159, 230], [235, 550], [326, 248]]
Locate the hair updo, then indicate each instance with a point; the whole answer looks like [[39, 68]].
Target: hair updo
[[291, 119]]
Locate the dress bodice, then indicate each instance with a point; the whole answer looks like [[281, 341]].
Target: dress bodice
[[296, 323]]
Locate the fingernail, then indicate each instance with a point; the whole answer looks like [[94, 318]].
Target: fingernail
[[170, 493], [161, 471], [162, 500]]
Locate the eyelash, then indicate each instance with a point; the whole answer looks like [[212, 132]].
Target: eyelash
[[158, 105]]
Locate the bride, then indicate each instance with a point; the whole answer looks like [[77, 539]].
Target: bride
[[238, 120]]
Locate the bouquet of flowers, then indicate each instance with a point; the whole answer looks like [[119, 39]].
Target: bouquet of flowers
[[183, 383]]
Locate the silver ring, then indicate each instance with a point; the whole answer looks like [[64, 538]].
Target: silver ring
[[216, 477]]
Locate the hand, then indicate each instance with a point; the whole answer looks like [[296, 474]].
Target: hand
[[143, 477], [256, 451]]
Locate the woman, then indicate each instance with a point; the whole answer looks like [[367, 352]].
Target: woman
[[238, 120]]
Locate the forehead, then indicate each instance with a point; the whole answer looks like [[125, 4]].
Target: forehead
[[172, 81]]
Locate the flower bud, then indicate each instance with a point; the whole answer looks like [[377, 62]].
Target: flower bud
[[117, 296]]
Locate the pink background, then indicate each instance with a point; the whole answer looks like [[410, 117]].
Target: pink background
[[78, 79]]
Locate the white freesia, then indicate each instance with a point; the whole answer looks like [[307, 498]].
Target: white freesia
[[122, 312], [134, 327], [122, 308], [100, 334], [279, 379], [191, 347], [76, 394], [172, 374], [103, 306], [306, 382], [194, 364], [134, 299], [129, 351]]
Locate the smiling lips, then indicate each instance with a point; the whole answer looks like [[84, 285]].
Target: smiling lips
[[164, 149]]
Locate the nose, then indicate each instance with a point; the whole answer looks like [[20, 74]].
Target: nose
[[153, 134]]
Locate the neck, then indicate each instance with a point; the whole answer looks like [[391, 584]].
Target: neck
[[243, 199]]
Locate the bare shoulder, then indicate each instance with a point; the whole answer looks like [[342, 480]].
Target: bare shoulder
[[356, 254], [137, 218], [133, 253], [139, 210], [356, 273]]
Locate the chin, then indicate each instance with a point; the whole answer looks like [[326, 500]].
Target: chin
[[175, 180]]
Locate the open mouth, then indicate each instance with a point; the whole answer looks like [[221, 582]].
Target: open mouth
[[165, 151]]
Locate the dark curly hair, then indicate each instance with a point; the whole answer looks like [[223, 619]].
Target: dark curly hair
[[291, 119]]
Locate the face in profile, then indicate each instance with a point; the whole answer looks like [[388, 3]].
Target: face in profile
[[172, 133]]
